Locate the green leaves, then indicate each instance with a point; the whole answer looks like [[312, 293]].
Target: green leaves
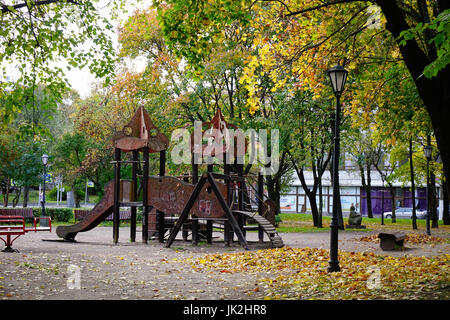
[[191, 27], [440, 28], [41, 38]]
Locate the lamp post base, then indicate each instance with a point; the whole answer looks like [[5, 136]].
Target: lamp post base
[[333, 266], [43, 222]]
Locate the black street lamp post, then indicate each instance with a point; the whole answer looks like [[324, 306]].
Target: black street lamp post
[[44, 222], [338, 77], [427, 151]]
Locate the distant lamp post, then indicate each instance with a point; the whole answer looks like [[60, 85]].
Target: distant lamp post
[[427, 151], [338, 77], [44, 158]]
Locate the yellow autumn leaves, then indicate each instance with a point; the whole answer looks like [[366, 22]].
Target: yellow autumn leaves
[[412, 238], [301, 273]]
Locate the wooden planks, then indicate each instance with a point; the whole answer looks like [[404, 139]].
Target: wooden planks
[[266, 226]]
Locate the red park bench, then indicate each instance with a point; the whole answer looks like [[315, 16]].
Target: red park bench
[[27, 213], [11, 226]]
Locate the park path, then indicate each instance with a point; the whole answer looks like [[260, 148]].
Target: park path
[[44, 269]]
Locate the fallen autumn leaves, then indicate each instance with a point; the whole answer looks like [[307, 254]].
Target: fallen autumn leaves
[[300, 273], [413, 238]]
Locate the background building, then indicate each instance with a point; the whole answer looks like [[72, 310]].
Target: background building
[[352, 192]]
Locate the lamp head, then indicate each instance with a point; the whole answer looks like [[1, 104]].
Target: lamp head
[[338, 77], [44, 159], [427, 151]]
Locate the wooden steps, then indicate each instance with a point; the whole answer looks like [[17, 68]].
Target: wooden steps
[[268, 228]]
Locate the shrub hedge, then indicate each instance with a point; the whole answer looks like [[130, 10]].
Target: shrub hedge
[[57, 214]]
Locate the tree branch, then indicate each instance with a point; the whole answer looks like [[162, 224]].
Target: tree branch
[[321, 6], [6, 8]]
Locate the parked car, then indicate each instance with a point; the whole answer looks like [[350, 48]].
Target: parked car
[[406, 213]]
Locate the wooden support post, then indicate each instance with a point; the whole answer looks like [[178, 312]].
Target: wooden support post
[[145, 196], [227, 237], [209, 231], [160, 214], [135, 195], [162, 163], [194, 231], [260, 197], [227, 233], [240, 172], [185, 213], [194, 168], [234, 224], [160, 224], [185, 232], [116, 209]]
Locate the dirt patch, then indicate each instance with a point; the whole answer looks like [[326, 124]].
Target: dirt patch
[[49, 269]]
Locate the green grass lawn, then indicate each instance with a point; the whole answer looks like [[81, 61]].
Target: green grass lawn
[[33, 197], [295, 222]]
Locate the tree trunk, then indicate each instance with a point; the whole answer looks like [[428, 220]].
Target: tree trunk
[[369, 201], [75, 196], [433, 201], [26, 190], [272, 192], [314, 210], [445, 210], [392, 191], [320, 204], [18, 192], [368, 189], [6, 193], [413, 189], [277, 195], [434, 92], [311, 194]]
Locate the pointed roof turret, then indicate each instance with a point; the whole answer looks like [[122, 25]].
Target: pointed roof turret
[[139, 133]]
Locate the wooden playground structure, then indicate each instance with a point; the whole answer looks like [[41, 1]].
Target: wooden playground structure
[[195, 204]]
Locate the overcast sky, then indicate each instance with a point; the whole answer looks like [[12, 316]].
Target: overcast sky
[[82, 80]]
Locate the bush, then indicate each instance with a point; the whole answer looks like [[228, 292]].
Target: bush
[[51, 195], [57, 214], [139, 214]]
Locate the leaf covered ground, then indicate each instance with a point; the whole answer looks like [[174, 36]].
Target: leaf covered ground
[[412, 238], [301, 273]]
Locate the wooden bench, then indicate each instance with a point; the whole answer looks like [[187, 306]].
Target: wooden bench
[[391, 241], [81, 214], [123, 216], [26, 213]]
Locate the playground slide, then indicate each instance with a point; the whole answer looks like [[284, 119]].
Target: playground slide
[[98, 214]]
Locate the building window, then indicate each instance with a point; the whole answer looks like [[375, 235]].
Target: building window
[[403, 198]]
